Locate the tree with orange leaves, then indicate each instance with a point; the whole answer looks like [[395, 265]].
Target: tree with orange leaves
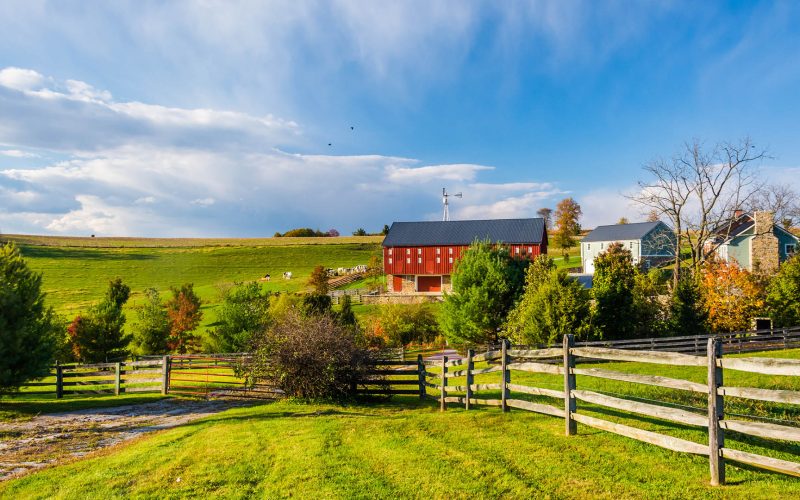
[[733, 296], [184, 314]]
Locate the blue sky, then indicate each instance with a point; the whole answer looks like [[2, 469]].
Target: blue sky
[[215, 118]]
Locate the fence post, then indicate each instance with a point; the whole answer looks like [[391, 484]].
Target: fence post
[[59, 380], [716, 435], [570, 426], [421, 374], [785, 343], [443, 394], [117, 378], [470, 377], [165, 375]]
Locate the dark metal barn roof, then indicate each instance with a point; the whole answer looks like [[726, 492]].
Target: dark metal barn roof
[[464, 232]]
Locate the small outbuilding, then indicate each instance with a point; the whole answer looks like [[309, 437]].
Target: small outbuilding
[[753, 241], [418, 257], [650, 243]]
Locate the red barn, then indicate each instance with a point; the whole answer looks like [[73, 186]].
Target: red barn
[[419, 256]]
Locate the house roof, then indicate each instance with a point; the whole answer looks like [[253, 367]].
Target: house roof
[[464, 232], [620, 232]]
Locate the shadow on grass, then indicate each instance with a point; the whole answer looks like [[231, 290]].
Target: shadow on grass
[[81, 253]]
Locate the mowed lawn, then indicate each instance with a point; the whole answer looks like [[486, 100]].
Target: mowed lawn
[[76, 277], [402, 449]]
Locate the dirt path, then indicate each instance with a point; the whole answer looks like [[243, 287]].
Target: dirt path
[[51, 439]]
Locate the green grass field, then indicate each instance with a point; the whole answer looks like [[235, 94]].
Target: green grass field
[[403, 449]]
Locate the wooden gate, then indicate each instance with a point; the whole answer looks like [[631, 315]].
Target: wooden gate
[[211, 377]]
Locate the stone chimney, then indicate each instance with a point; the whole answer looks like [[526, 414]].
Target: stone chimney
[[764, 253]]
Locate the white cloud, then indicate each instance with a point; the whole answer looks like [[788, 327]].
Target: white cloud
[[606, 206], [16, 153], [455, 172], [203, 202], [20, 78]]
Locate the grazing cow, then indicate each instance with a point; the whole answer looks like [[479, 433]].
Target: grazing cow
[[287, 275], [267, 277]]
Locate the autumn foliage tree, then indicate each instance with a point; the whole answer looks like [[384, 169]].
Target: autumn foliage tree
[[732, 295], [183, 309], [319, 280], [568, 213]]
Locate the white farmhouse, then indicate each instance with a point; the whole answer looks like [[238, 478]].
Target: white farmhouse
[[650, 243]]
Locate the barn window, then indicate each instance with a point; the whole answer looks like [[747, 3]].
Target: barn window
[[450, 251], [419, 260], [517, 250], [438, 260], [408, 261], [438, 251], [390, 260], [408, 251], [419, 251], [451, 260], [530, 249], [390, 251]]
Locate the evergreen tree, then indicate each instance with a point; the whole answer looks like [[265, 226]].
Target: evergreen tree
[[486, 284], [613, 284], [346, 316], [151, 332], [28, 329], [552, 306], [687, 312], [98, 336], [650, 315]]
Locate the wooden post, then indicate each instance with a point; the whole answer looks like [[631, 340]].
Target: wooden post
[[443, 393], [570, 406], [165, 375], [117, 378], [716, 435], [470, 377], [59, 381], [421, 374], [506, 375]]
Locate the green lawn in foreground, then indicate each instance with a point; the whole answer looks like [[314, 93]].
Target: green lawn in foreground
[[405, 449]]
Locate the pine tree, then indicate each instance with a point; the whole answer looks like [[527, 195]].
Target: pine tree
[[687, 313], [28, 329], [98, 336]]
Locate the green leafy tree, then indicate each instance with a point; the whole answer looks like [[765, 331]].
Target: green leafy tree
[[360, 232], [385, 229], [316, 304], [185, 315], [98, 336], [783, 294], [151, 331], [319, 280], [28, 329], [568, 213], [613, 287], [552, 306], [244, 311], [486, 281], [650, 315], [688, 314]]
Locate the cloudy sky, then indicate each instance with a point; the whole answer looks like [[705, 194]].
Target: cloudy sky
[[242, 118]]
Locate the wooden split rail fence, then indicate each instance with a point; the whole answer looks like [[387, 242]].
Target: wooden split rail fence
[[566, 407], [103, 378]]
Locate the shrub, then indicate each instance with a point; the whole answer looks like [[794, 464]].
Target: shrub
[[403, 324], [688, 314], [29, 331], [783, 294], [613, 286], [310, 357]]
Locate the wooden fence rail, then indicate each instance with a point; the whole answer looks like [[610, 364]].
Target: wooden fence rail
[[715, 421]]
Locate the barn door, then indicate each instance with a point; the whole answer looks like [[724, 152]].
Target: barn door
[[429, 283]]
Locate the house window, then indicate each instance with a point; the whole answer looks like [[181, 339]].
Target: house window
[[438, 260], [419, 260], [647, 264], [451, 260], [390, 260], [408, 260], [630, 245], [601, 246], [588, 246], [790, 249]]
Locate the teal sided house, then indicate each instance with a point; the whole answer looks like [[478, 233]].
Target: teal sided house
[[753, 241]]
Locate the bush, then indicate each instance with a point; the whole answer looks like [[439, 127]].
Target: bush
[[783, 294], [244, 312], [303, 232], [29, 331], [613, 289], [310, 357], [403, 324]]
